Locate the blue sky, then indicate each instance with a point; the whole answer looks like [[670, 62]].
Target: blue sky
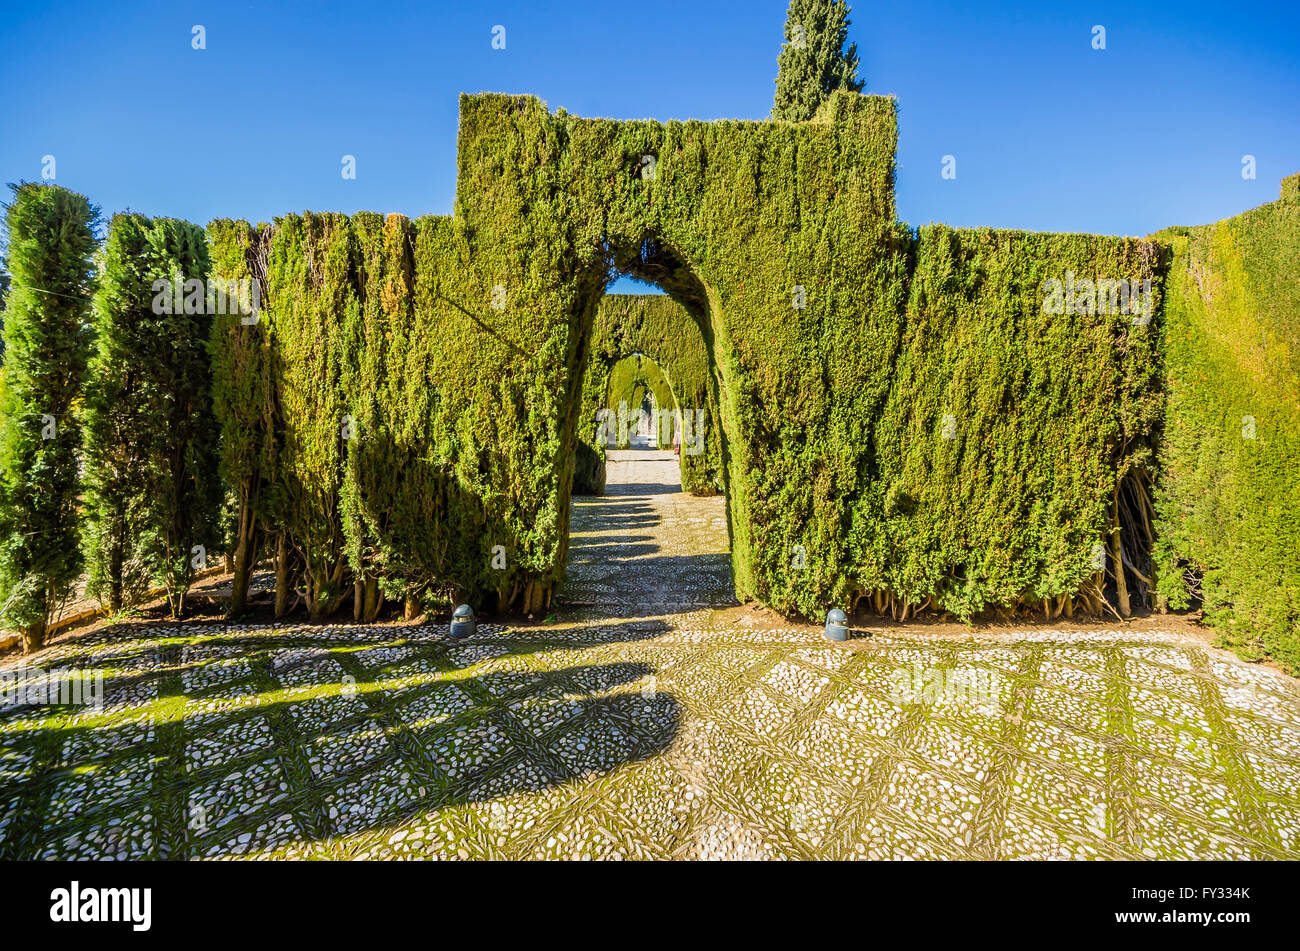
[[1048, 133]]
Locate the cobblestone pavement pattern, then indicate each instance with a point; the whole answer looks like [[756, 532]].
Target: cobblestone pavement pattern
[[652, 721]]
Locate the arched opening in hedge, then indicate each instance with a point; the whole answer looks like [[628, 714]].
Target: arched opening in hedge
[[647, 349], [661, 348], [638, 400]]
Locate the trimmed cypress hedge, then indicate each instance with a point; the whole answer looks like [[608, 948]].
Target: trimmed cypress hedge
[[760, 211], [312, 316], [829, 343], [410, 529], [917, 419], [151, 484], [1010, 428], [505, 297], [1229, 501]]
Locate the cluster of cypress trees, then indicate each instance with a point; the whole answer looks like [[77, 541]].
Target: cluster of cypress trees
[[107, 453]]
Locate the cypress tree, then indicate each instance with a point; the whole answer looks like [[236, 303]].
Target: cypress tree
[[813, 62], [47, 343], [115, 417], [182, 484], [243, 397], [152, 493]]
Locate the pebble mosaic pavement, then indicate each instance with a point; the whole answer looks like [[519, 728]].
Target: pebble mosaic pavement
[[642, 725]]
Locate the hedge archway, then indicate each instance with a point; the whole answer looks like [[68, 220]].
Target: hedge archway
[[901, 416], [658, 329]]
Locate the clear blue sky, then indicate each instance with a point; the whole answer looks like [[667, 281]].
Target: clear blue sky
[[1048, 133]]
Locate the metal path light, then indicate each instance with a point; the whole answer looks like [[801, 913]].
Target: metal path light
[[462, 621], [837, 625]]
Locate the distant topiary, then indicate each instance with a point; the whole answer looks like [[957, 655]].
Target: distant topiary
[[664, 332], [813, 63], [47, 344]]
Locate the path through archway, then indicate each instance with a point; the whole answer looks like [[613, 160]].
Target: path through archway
[[648, 523], [645, 544]]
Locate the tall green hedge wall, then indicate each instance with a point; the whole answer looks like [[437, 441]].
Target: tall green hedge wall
[[496, 343], [906, 417], [312, 313], [413, 518], [1229, 501], [1009, 427], [899, 416]]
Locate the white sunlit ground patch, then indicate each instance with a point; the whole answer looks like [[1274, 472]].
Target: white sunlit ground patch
[[624, 731]]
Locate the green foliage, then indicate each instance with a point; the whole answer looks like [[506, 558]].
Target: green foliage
[[735, 215], [1291, 187], [243, 394], [150, 437], [813, 63], [634, 383], [1229, 504], [183, 477], [661, 329], [410, 529], [827, 342], [467, 401], [117, 423], [47, 344], [311, 314], [1008, 426]]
